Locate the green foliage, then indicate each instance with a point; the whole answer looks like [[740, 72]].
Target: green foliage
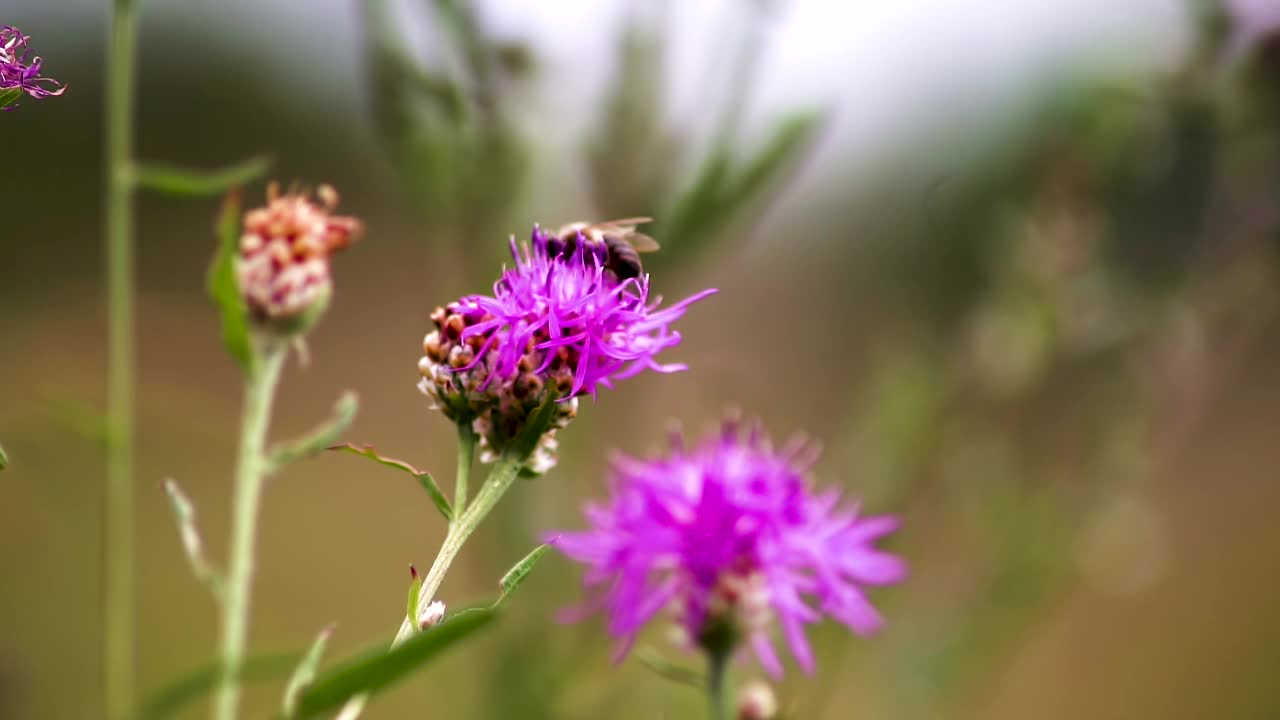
[[185, 182], [520, 571], [168, 701], [668, 670], [323, 437], [305, 673], [423, 477], [10, 96], [415, 588], [222, 286], [725, 191], [4, 459], [379, 668], [185, 514]]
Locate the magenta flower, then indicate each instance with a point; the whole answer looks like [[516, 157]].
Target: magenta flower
[[731, 534], [609, 328], [16, 71]]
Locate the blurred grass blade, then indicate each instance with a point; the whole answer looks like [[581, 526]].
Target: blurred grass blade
[[4, 459], [306, 672], [668, 670], [791, 138], [185, 182], [517, 574], [77, 416], [224, 290], [379, 668], [171, 699], [185, 513], [323, 437], [423, 477]]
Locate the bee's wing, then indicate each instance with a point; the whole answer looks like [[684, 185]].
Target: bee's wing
[[643, 243], [622, 223]]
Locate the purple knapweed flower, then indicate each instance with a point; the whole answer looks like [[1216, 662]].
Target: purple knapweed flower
[[17, 71], [731, 535], [561, 319]]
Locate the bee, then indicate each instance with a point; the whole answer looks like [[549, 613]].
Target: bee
[[617, 241]]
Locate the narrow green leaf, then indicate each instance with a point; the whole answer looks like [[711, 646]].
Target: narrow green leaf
[[379, 668], [323, 437], [185, 513], [9, 96], [790, 139], [186, 182], [520, 571], [172, 698], [221, 282], [78, 417], [4, 459], [668, 670], [305, 673], [415, 587], [423, 477]]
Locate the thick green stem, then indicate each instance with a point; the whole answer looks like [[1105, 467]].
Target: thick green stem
[[118, 590], [251, 470], [717, 685], [466, 456]]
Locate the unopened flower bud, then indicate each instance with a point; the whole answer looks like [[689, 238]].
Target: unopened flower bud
[[430, 615], [283, 270], [757, 702]]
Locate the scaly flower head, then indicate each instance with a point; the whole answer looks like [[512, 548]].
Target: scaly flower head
[[731, 536], [559, 320], [18, 69], [283, 269]]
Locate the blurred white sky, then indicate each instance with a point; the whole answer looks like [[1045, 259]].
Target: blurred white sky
[[886, 68]]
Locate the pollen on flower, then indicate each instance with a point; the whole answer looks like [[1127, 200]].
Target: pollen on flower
[[557, 322], [731, 537], [283, 269], [19, 69]]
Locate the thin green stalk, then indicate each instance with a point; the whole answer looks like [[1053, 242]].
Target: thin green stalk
[[501, 476], [118, 591], [251, 470], [717, 683], [466, 456]]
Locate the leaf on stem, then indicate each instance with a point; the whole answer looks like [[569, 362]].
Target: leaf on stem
[[379, 668], [517, 574], [668, 670], [323, 437], [415, 587], [9, 96], [186, 182], [306, 672], [185, 513], [225, 291], [535, 426], [423, 477]]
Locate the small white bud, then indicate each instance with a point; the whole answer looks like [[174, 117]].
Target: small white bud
[[757, 702], [430, 615]]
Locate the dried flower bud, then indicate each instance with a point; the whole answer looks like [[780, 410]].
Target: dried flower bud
[[283, 269], [430, 614], [757, 702]]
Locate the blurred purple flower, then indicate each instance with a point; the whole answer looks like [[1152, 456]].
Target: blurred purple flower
[[16, 71], [731, 532]]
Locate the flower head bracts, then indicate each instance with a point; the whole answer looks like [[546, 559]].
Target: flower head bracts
[[19, 70], [730, 534], [558, 319], [283, 269]]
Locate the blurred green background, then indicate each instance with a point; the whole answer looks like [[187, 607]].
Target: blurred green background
[[1015, 264]]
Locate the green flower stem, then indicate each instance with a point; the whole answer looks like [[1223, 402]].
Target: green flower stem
[[251, 470], [118, 586], [717, 685], [466, 456], [501, 476]]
